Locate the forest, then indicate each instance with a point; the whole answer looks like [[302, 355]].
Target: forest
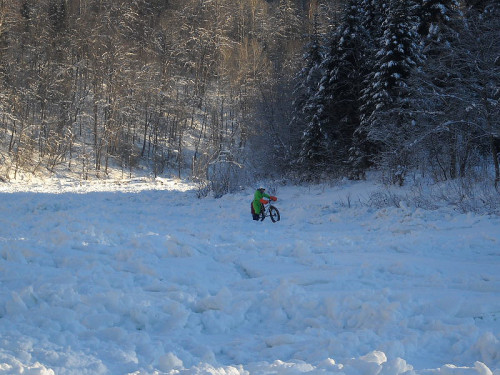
[[221, 90]]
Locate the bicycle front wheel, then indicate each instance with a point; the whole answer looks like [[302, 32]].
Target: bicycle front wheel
[[274, 214]]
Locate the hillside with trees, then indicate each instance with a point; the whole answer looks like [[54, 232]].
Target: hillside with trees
[[405, 85], [219, 90]]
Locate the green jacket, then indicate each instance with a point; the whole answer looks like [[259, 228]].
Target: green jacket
[[256, 200]]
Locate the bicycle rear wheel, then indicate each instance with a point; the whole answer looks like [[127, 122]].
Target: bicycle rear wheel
[[274, 214]]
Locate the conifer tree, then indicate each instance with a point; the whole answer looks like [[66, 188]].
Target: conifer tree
[[433, 14], [333, 110], [345, 69], [305, 88], [314, 154], [385, 111], [372, 13], [434, 143]]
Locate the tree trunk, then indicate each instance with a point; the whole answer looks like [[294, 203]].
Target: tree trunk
[[494, 154]]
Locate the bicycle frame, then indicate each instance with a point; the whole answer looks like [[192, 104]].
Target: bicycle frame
[[268, 210]]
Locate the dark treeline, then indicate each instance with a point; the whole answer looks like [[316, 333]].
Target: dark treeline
[[402, 85], [211, 87]]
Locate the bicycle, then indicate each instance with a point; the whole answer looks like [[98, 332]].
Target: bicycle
[[269, 210]]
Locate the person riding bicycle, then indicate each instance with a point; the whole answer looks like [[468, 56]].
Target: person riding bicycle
[[258, 201]]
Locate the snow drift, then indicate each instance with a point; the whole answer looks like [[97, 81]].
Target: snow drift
[[144, 278]]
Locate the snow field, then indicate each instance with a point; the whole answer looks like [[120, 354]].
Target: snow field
[[147, 279]]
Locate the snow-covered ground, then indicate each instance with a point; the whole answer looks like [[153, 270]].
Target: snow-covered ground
[[144, 278]]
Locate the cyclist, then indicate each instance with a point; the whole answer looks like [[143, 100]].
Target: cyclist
[[258, 201]]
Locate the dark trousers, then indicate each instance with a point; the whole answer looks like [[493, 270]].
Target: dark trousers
[[254, 215]]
